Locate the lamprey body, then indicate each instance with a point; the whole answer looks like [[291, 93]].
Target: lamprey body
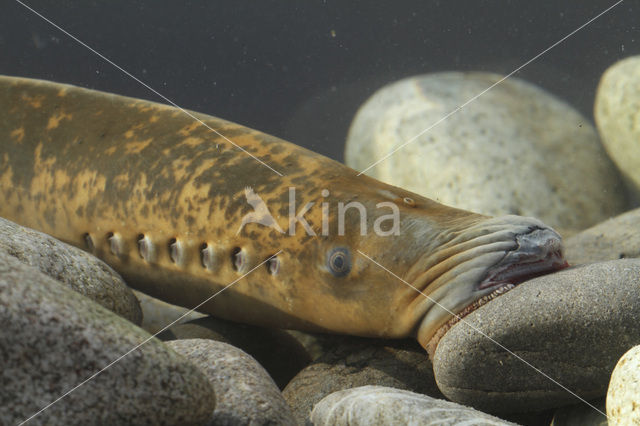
[[180, 213]]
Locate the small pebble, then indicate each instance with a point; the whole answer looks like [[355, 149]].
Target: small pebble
[[623, 396], [157, 314], [246, 394]]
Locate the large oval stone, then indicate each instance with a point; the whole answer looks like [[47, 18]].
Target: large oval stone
[[552, 336], [246, 394], [514, 150], [615, 238], [73, 267], [276, 350], [617, 114], [54, 339], [369, 405], [353, 362], [158, 315]]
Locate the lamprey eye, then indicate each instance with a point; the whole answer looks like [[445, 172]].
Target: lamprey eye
[[339, 261]]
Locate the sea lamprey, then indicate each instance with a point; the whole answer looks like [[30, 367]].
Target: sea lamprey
[[181, 213]]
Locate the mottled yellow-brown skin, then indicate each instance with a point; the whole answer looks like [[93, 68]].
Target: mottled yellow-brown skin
[[87, 166]]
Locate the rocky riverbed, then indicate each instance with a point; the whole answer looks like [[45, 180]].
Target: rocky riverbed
[[78, 345]]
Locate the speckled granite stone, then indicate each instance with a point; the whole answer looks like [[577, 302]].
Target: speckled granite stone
[[616, 238], [73, 267], [54, 338], [246, 395], [616, 111], [276, 350], [492, 156], [370, 405], [354, 362], [623, 396]]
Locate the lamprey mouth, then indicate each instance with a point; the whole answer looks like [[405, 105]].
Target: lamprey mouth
[[516, 273], [538, 252]]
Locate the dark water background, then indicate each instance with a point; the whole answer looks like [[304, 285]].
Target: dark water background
[[300, 69]]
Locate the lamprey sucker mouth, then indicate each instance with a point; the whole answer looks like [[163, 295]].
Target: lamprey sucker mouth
[[538, 252]]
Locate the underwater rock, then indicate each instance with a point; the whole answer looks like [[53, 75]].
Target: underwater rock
[[356, 362], [514, 150], [616, 238], [316, 344], [158, 314], [71, 266], [245, 393], [616, 113], [572, 326], [53, 339], [623, 396], [277, 351], [369, 405]]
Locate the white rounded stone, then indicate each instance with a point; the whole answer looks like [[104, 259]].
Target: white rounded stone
[[515, 149], [617, 114], [623, 396]]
